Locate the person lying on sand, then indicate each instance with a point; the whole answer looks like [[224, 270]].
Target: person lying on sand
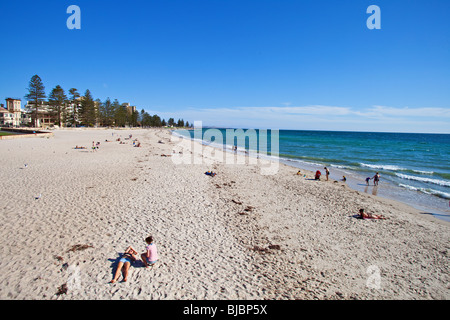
[[125, 263], [363, 215]]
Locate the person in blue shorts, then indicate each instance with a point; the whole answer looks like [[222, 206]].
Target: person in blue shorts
[[124, 263]]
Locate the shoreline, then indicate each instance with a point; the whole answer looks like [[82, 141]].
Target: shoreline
[[239, 235], [355, 180], [408, 197], [283, 220]]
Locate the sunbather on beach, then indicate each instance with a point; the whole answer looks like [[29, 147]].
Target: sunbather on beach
[[124, 264], [363, 215]]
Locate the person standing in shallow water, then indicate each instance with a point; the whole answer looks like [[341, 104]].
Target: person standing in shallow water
[[376, 178]]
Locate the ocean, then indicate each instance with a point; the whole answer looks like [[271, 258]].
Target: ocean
[[414, 167]]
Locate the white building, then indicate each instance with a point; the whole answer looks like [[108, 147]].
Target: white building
[[12, 115]]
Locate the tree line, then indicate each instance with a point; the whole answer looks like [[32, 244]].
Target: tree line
[[77, 110]]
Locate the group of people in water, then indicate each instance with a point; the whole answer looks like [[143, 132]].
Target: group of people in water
[[362, 214], [318, 174], [149, 257], [376, 179]]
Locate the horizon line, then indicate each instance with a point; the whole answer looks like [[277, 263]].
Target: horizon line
[[319, 130]]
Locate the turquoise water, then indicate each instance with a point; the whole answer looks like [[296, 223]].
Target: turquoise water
[[414, 168]]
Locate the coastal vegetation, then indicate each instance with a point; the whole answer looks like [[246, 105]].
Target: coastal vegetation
[[76, 110]]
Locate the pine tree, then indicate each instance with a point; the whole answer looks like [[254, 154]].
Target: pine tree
[[57, 100], [146, 120], [107, 113], [156, 121], [72, 117], [87, 110], [134, 118], [120, 114], [180, 123], [98, 106], [36, 95]]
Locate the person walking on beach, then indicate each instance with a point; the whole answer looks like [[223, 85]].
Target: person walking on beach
[[327, 172], [367, 180], [150, 256], [376, 178], [124, 264]]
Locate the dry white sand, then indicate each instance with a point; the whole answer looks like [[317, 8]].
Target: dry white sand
[[239, 235]]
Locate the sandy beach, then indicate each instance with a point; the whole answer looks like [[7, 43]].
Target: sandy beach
[[68, 214]]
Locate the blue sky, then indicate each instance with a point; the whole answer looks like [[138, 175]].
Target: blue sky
[[239, 63]]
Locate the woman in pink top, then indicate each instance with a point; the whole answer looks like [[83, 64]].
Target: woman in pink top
[[150, 256]]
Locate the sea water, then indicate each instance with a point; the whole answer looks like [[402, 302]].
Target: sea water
[[414, 167]]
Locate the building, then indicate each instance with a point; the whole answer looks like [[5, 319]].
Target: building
[[12, 115], [130, 109], [46, 118]]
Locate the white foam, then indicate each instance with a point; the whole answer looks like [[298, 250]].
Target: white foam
[[382, 166], [441, 194], [422, 179]]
